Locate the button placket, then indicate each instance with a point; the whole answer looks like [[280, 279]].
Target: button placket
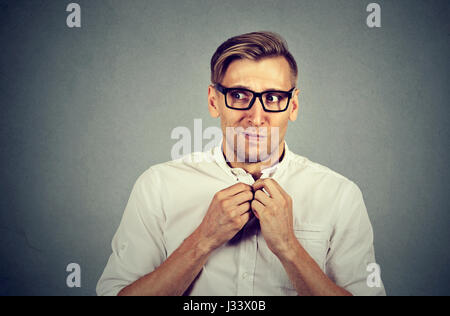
[[248, 247], [247, 264]]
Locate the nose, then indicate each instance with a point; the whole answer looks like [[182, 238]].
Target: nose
[[256, 114]]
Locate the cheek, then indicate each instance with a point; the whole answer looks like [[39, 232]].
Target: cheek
[[229, 118], [281, 123]]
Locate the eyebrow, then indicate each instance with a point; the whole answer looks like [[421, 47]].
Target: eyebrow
[[248, 88]]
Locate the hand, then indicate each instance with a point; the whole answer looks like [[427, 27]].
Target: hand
[[274, 211], [228, 212]]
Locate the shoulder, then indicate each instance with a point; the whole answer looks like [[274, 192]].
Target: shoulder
[[324, 195], [320, 176], [303, 164], [176, 168]]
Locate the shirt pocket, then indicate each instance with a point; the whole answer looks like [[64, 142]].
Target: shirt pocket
[[315, 240]]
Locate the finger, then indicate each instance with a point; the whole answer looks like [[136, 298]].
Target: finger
[[243, 208], [245, 217], [236, 189], [242, 197], [262, 197], [278, 186], [268, 185], [257, 208]]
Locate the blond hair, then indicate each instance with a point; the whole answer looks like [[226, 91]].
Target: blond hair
[[253, 46]]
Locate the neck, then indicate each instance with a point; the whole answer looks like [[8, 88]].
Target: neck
[[255, 168]]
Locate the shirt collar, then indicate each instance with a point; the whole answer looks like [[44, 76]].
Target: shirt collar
[[269, 172]]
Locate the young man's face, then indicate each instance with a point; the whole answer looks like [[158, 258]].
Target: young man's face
[[262, 132]]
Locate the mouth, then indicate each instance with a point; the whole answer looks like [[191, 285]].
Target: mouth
[[254, 137]]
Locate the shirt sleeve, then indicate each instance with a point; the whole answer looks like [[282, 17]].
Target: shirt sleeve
[[351, 257], [138, 245]]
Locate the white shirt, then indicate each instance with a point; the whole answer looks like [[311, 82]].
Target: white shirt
[[169, 201]]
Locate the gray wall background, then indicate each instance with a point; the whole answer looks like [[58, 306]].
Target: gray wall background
[[85, 111]]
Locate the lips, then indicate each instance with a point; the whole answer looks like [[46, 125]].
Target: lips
[[253, 137]]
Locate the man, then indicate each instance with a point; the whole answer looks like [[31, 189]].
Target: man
[[248, 217]]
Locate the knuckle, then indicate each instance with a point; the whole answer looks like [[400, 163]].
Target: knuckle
[[229, 216], [230, 212], [218, 195], [223, 204]]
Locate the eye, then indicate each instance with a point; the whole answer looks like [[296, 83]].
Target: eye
[[237, 95], [273, 98]]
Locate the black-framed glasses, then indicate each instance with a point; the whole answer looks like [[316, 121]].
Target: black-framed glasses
[[243, 99]]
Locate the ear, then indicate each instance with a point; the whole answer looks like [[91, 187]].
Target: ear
[[294, 109], [213, 104]]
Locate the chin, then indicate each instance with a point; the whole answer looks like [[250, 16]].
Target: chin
[[254, 155]]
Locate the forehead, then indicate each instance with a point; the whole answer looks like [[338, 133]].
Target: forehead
[[263, 74]]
